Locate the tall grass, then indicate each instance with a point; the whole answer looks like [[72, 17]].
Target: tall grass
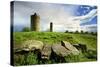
[[25, 59]]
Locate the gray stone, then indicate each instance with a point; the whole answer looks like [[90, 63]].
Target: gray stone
[[46, 52], [70, 47], [60, 50], [31, 45]]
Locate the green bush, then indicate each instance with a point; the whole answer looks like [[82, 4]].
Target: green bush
[[91, 54], [26, 29]]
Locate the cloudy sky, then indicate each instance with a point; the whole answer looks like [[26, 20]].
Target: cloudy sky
[[64, 16]]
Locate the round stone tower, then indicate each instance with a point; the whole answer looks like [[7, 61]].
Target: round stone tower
[[35, 22]]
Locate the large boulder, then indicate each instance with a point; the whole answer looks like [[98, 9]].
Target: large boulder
[[58, 49], [31, 45], [70, 47]]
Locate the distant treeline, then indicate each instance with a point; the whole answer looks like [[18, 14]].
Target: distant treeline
[[27, 29], [82, 32]]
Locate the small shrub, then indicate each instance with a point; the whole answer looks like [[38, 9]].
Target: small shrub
[[82, 31], [31, 59], [91, 54], [66, 31], [72, 58], [26, 29]]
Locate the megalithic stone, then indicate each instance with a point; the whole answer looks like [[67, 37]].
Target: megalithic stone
[[51, 27], [35, 22]]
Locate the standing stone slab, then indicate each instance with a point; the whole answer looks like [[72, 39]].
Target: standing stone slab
[[46, 52], [58, 49], [70, 47]]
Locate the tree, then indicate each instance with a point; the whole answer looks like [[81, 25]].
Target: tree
[[92, 33], [95, 33], [66, 31], [86, 32], [26, 29], [82, 32], [76, 31], [71, 32]]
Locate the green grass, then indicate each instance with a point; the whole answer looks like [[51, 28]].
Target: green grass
[[88, 39], [48, 37], [26, 59], [55, 37]]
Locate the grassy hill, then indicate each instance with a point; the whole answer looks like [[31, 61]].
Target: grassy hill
[[54, 37]]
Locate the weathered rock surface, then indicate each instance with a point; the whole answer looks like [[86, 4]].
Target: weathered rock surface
[[31, 45], [70, 47], [46, 52], [60, 50]]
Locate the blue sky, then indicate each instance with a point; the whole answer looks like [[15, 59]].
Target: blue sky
[[64, 16]]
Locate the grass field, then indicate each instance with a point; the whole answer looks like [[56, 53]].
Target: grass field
[[55, 37]]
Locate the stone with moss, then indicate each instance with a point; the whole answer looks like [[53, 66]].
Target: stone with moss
[[31, 45]]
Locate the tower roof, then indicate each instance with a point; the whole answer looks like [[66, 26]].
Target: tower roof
[[35, 14]]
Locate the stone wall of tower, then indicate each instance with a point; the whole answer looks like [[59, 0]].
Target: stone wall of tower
[[51, 27], [35, 22]]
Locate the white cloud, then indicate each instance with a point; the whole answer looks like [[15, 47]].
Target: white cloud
[[87, 17], [58, 14], [89, 28], [76, 21], [61, 15]]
